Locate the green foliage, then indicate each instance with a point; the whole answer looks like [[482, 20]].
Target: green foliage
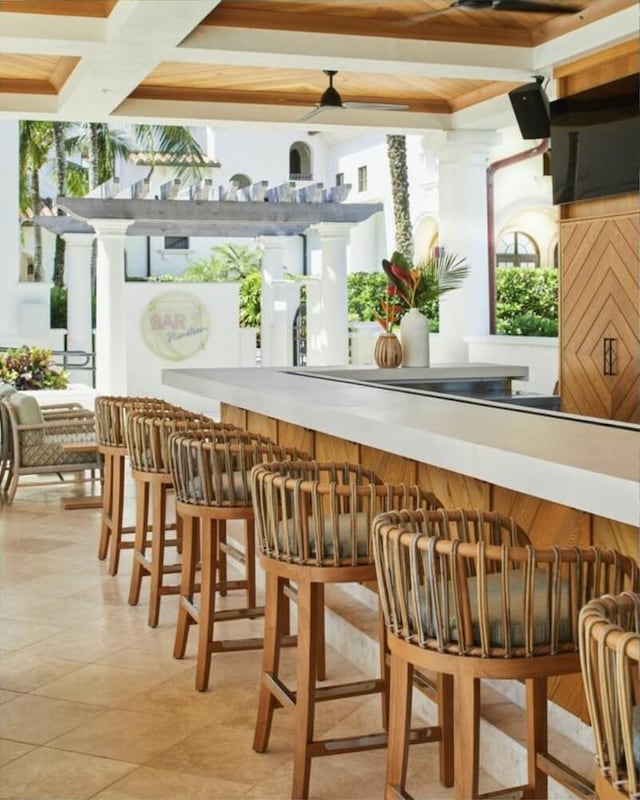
[[31, 368], [250, 291], [527, 301], [226, 262], [58, 306]]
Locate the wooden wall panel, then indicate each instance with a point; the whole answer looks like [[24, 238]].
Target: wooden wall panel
[[545, 523], [296, 436], [260, 423], [331, 448], [617, 535], [454, 490], [599, 298], [233, 415], [389, 467]]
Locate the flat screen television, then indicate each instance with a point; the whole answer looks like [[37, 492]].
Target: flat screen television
[[595, 142]]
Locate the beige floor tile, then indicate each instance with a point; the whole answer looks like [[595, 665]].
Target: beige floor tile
[[223, 751], [6, 696], [37, 720], [10, 750], [47, 774], [23, 673], [128, 735], [147, 783], [99, 685], [18, 634]]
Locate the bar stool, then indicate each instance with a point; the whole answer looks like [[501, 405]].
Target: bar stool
[[111, 411], [211, 474], [609, 630], [470, 608], [313, 524], [147, 442]]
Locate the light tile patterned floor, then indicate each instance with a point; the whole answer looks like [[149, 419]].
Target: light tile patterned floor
[[95, 706]]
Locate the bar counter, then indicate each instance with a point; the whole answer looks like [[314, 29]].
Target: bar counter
[[582, 463]]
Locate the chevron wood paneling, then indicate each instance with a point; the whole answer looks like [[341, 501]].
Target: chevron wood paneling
[[296, 436], [599, 290]]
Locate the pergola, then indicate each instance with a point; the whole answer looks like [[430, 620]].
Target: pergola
[[111, 220]]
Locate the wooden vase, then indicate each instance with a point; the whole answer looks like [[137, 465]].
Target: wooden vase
[[388, 350]]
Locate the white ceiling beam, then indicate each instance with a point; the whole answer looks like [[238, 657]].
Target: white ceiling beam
[[140, 34], [290, 49]]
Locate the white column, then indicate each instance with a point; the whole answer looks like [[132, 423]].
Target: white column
[[9, 225], [111, 327], [327, 319], [463, 161], [272, 344], [78, 280]]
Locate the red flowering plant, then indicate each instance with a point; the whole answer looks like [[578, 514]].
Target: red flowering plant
[[390, 309], [417, 286]]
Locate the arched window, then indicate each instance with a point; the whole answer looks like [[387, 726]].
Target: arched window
[[300, 162], [517, 249], [240, 181]]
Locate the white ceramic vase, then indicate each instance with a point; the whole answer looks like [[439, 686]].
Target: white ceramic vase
[[414, 336]]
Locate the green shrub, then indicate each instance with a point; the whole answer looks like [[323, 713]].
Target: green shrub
[[527, 301], [58, 306], [31, 368], [250, 292], [365, 290]]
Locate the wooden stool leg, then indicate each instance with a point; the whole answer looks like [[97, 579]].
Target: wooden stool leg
[[276, 621], [107, 507], [467, 726], [140, 544], [190, 549], [445, 721], [400, 688], [385, 657], [321, 657], [117, 506], [250, 561], [222, 558], [158, 534], [537, 736], [305, 687], [209, 557]]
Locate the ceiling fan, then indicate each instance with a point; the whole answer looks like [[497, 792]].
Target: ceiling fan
[[536, 6], [330, 99]]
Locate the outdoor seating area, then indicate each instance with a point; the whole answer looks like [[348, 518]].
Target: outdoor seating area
[[109, 672]]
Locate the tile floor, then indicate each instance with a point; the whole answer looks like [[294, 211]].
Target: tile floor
[[95, 706]]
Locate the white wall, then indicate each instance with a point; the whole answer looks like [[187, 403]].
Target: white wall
[[220, 347]]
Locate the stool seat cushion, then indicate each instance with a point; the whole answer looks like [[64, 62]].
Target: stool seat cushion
[[222, 492], [341, 529], [496, 612]]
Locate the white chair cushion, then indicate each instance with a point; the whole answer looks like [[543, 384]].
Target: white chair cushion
[[27, 409]]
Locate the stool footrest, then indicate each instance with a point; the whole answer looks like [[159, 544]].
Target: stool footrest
[[232, 614], [229, 645], [228, 585], [371, 741], [167, 569], [279, 690], [510, 792], [576, 783], [233, 551], [355, 689]]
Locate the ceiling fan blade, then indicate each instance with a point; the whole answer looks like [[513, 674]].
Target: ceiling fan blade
[[378, 106], [313, 113]]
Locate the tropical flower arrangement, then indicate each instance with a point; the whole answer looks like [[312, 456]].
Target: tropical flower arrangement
[[416, 286], [31, 368]]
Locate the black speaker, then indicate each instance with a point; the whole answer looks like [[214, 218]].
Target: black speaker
[[531, 107]]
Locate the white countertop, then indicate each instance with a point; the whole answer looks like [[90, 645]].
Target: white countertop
[[591, 465]]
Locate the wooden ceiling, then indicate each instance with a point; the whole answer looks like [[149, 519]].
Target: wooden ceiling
[[263, 60]]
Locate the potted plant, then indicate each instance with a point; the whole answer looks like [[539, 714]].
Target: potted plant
[[416, 287], [388, 351]]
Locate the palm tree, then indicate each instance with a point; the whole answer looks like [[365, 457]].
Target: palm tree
[[397, 153], [36, 139]]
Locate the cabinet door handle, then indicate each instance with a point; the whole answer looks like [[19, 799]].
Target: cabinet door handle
[[609, 355]]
